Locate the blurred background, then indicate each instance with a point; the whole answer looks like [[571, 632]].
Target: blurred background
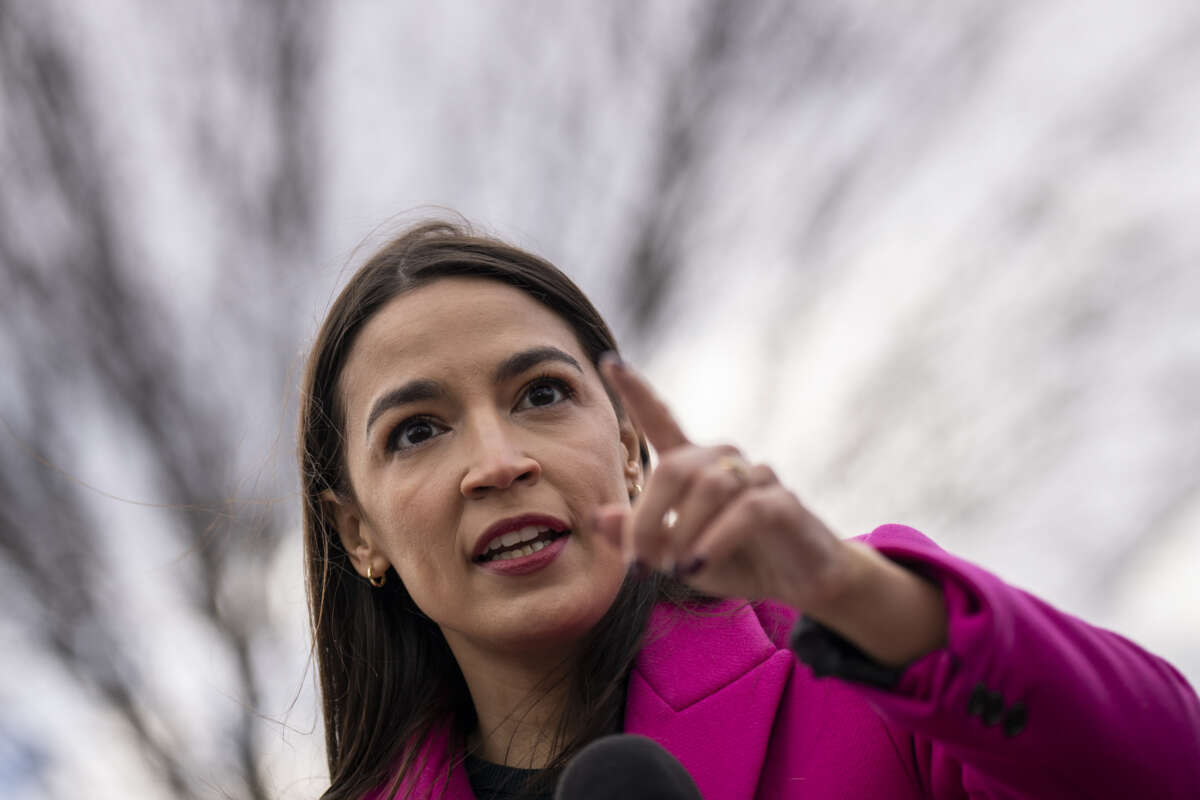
[[935, 262]]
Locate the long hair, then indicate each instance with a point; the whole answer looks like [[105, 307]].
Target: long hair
[[387, 676]]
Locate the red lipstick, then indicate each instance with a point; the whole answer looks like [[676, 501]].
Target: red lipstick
[[520, 545]]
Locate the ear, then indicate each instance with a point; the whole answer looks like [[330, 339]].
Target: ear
[[631, 443], [356, 534]]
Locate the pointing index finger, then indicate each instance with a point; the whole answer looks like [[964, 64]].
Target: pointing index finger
[[648, 411]]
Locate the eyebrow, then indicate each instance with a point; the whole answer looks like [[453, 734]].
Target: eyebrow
[[424, 389], [517, 363], [411, 392]]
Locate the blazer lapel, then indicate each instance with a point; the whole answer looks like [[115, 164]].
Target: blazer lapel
[[706, 686]]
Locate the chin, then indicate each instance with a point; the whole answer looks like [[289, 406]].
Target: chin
[[556, 620]]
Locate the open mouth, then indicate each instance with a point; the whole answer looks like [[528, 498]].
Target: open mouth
[[519, 543]]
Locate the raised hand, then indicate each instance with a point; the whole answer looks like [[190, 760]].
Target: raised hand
[[723, 524]]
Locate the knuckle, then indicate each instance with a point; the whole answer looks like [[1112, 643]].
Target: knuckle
[[777, 492], [714, 479], [757, 504], [780, 503], [674, 466], [769, 504], [766, 474]]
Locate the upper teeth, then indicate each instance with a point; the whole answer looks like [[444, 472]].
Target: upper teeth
[[528, 533]]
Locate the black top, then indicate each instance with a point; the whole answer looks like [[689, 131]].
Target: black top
[[497, 782]]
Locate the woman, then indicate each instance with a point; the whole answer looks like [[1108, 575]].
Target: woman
[[497, 579]]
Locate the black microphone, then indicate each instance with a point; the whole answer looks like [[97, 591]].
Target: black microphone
[[625, 766]]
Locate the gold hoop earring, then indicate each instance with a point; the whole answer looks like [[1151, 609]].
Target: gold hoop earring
[[637, 490], [378, 580]]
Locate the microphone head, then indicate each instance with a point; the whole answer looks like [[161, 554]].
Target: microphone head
[[625, 766]]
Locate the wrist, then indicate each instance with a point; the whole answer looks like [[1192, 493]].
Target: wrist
[[887, 611], [841, 582]]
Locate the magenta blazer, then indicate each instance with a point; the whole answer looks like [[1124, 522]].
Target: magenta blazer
[[1024, 702]]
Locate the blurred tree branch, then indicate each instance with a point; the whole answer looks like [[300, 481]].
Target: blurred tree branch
[[684, 121], [78, 317]]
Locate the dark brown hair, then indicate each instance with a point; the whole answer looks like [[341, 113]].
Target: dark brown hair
[[387, 676]]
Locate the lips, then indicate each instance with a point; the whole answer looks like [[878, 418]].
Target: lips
[[512, 525]]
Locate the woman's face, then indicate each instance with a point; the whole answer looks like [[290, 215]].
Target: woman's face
[[469, 405]]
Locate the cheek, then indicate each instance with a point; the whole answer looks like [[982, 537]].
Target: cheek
[[594, 472], [416, 536], [602, 455]]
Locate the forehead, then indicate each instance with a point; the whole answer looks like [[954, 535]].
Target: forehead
[[450, 329]]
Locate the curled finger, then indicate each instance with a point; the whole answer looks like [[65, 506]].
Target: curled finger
[[759, 504], [655, 514], [713, 488]]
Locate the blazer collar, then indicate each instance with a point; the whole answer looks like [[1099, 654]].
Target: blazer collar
[[706, 686]]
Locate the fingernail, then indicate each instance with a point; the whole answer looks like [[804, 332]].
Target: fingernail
[[690, 568]]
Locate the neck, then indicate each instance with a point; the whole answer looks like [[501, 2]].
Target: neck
[[519, 701]]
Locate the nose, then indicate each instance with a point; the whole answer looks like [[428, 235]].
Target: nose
[[497, 462]]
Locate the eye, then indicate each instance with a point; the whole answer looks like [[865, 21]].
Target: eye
[[545, 391], [412, 432]]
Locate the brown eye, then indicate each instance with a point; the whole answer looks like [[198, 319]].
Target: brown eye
[[412, 432], [543, 395], [418, 432], [545, 392]]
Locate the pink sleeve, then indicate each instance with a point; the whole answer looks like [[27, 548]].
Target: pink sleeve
[[1027, 701]]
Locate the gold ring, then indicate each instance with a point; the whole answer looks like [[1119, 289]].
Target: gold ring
[[737, 467]]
